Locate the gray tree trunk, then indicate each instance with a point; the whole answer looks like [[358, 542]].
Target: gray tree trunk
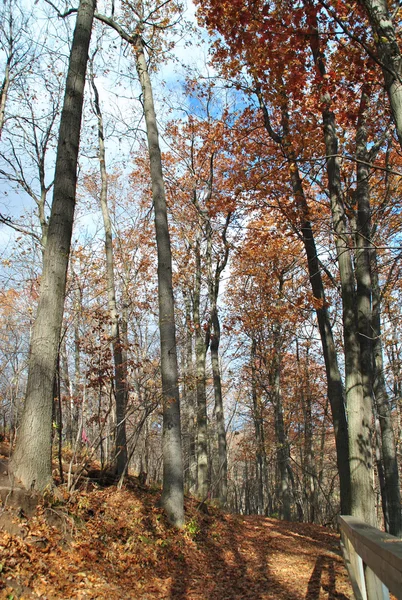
[[120, 374], [214, 278], [31, 461], [369, 319], [282, 443], [173, 492], [260, 455], [68, 389], [77, 359], [201, 347], [190, 403], [359, 404], [219, 411]]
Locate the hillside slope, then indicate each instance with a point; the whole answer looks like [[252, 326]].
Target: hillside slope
[[105, 543], [113, 544]]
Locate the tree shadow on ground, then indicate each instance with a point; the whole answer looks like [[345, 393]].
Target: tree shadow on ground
[[238, 560], [316, 580]]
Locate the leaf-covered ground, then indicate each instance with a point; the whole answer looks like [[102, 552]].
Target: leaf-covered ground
[[114, 544]]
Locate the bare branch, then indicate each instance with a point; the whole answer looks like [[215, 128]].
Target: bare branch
[[68, 12], [8, 221]]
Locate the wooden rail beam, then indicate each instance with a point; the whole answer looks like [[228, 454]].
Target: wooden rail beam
[[373, 559]]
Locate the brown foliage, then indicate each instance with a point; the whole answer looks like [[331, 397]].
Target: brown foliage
[[110, 543]]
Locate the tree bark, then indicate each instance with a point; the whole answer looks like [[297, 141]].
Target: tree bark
[[260, 455], [214, 278], [31, 461], [201, 347], [190, 403], [359, 403], [282, 443], [173, 493], [219, 411], [359, 406]]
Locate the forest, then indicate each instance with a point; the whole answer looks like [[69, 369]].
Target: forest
[[201, 252]]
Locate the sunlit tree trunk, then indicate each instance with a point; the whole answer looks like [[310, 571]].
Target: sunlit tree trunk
[[31, 460], [69, 394], [77, 400], [173, 493], [201, 347], [307, 458], [282, 443], [190, 402], [359, 403], [260, 455]]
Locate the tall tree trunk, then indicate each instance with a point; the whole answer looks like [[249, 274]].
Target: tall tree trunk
[[120, 374], [369, 320], [359, 404], [219, 411], [173, 493], [190, 403], [31, 461], [201, 347], [275, 394], [307, 460], [282, 443], [214, 279], [69, 392], [75, 407], [259, 432]]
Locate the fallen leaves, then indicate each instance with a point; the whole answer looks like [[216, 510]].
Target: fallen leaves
[[120, 546]]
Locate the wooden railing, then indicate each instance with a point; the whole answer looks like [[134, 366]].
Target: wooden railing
[[373, 559]]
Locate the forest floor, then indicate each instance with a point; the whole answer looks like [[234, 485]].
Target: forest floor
[[105, 543]]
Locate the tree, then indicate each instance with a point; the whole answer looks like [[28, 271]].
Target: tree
[[16, 49], [28, 143], [120, 370], [246, 48], [173, 492], [31, 461]]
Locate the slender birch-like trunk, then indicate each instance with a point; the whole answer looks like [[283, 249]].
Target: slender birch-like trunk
[[214, 278], [120, 375], [201, 347]]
